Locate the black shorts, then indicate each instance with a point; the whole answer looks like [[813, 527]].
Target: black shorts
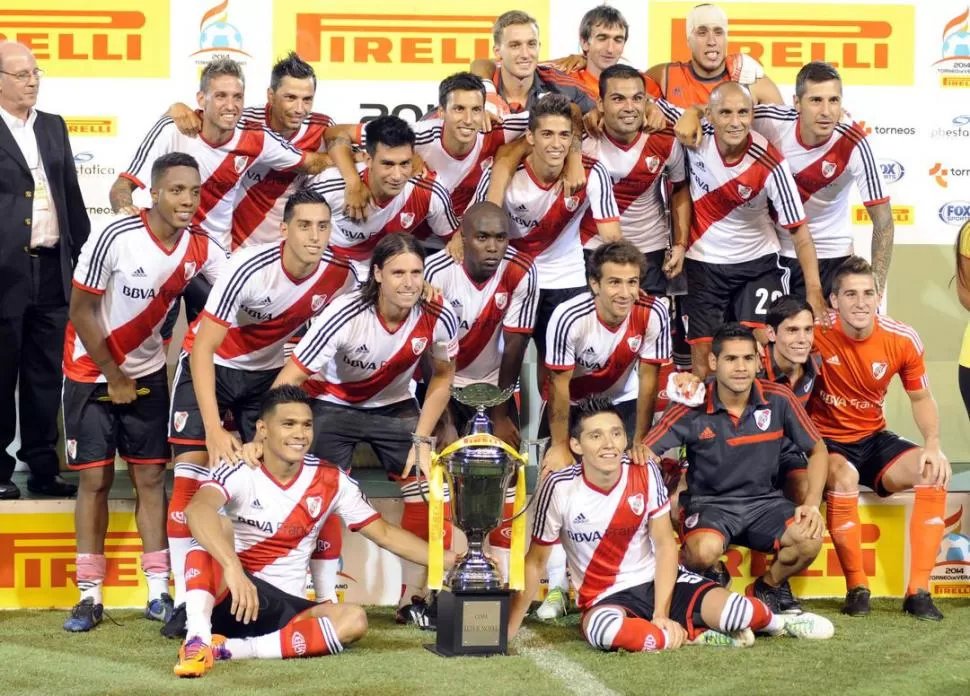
[[756, 522], [195, 295], [461, 415], [239, 391], [276, 609], [94, 430], [826, 273], [548, 301], [792, 460], [338, 429], [626, 409], [872, 456], [722, 292], [685, 604]]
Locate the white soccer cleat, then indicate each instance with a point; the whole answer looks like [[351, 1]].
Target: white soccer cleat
[[553, 606], [738, 639], [808, 625]]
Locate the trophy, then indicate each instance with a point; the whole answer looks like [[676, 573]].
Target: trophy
[[473, 612]]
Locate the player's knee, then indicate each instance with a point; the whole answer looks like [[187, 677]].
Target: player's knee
[[842, 476], [807, 547], [703, 551], [96, 481], [351, 623]]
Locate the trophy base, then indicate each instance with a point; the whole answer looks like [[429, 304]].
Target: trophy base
[[472, 624]]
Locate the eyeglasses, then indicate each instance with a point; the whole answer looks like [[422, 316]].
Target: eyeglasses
[[25, 75]]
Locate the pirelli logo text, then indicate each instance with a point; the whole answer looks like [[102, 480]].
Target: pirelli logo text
[[370, 41], [92, 125], [902, 215], [869, 44], [114, 38]]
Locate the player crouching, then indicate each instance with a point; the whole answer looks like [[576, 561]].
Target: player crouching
[[613, 520], [250, 591]]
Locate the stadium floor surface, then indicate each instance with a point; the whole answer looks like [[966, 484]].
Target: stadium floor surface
[[886, 653]]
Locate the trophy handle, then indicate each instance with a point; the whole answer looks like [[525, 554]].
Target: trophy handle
[[540, 445]]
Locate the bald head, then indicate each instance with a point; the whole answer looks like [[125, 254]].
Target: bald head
[[730, 111], [485, 212], [485, 239], [730, 89], [19, 81]]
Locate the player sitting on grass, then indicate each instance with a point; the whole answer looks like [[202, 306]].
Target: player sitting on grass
[[251, 589], [613, 520]]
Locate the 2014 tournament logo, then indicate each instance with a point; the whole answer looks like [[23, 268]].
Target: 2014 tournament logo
[[954, 63], [218, 37], [951, 574]]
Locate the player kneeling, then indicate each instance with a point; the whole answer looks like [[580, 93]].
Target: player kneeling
[[245, 588], [613, 520]]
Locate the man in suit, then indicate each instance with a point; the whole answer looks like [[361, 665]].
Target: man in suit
[[43, 223]]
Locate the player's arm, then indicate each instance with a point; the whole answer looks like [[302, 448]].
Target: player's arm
[[883, 231], [535, 565], [291, 373], [507, 159], [437, 397], [84, 313], [559, 454], [658, 73], [681, 212], [185, 118], [935, 466], [573, 172], [765, 91], [670, 431], [648, 378], [798, 427], [400, 542], [666, 552], [602, 203], [808, 260], [120, 196], [340, 140], [221, 444], [817, 473]]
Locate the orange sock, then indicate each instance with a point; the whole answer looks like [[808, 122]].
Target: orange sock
[[609, 628], [926, 529], [842, 518], [309, 637]]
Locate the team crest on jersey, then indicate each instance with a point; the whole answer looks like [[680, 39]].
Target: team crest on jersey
[[691, 521], [762, 418], [418, 345], [486, 163], [636, 503], [501, 299], [317, 302], [828, 169], [179, 419], [572, 202], [653, 163], [879, 369], [313, 504], [239, 163], [634, 343], [72, 449], [407, 219], [190, 270], [744, 191]]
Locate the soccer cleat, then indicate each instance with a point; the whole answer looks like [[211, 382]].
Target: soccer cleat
[[160, 609], [419, 613], [921, 606], [738, 639], [771, 596], [719, 574], [219, 650], [807, 625], [175, 627], [787, 604], [553, 606], [857, 601], [195, 658], [84, 616]]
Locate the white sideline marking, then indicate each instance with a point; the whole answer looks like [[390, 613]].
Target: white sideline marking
[[576, 679]]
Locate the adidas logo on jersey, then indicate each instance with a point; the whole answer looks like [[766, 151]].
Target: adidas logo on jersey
[[263, 302], [139, 273], [361, 349], [256, 505], [589, 351], [834, 360], [579, 519], [521, 208], [707, 434]]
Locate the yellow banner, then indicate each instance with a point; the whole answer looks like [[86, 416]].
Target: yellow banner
[[376, 40], [100, 126], [517, 550], [902, 215], [110, 38], [436, 525], [869, 44]]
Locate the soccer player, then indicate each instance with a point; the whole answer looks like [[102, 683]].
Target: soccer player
[[860, 356], [732, 262], [233, 353], [612, 518], [545, 222], [401, 200], [636, 162], [115, 397], [246, 592], [366, 347], [734, 441]]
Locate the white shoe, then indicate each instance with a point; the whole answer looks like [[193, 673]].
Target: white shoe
[[553, 606], [738, 639], [807, 625]]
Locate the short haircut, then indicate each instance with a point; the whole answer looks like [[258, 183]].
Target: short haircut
[[815, 72], [725, 88], [291, 66], [172, 159], [587, 408], [622, 253], [620, 72], [602, 15], [302, 197], [389, 131], [732, 331], [459, 82], [785, 307], [283, 394], [550, 105], [484, 209], [218, 67], [854, 265], [386, 249], [511, 18]]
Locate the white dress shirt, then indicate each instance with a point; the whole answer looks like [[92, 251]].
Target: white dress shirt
[[43, 229]]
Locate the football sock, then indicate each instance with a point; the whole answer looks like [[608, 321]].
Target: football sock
[[308, 637], [556, 568], [155, 565], [610, 628], [203, 578], [188, 478], [742, 612], [90, 575], [842, 519], [926, 527]]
